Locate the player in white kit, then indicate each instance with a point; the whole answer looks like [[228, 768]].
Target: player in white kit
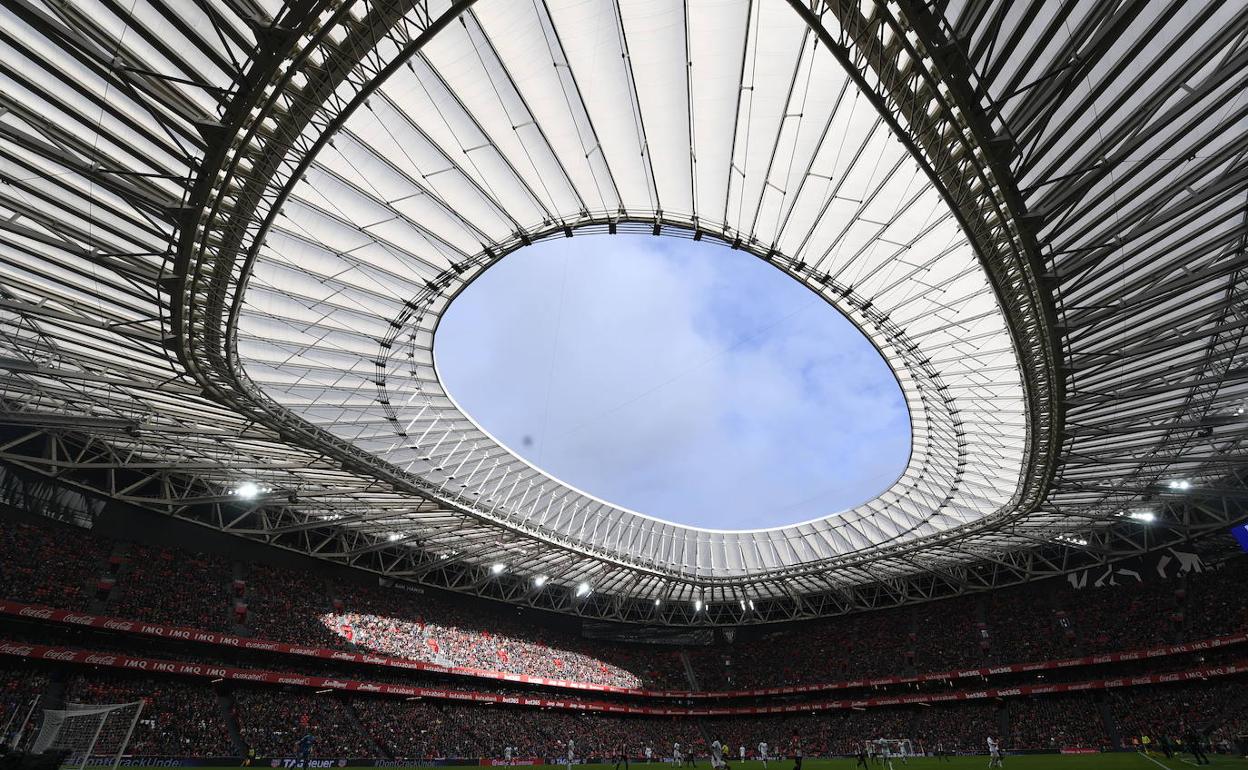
[[762, 753], [717, 754], [994, 753], [742, 753], [567, 761], [649, 754], [886, 755]]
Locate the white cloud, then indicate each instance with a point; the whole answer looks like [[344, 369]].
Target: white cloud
[[683, 380]]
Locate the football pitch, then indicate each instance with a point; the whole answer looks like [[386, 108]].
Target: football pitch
[[1115, 761]]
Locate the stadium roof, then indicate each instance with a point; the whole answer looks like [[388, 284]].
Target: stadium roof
[[228, 231]]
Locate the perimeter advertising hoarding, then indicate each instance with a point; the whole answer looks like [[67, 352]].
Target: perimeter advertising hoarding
[[260, 763], [141, 628]]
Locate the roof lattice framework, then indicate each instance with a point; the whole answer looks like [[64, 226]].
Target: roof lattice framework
[[228, 231]]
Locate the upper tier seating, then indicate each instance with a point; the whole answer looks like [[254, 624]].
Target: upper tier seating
[[53, 565]]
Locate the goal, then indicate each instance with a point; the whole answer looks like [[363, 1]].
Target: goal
[[88, 734], [894, 747], [14, 732]]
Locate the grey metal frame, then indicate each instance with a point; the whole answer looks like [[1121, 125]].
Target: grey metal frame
[[120, 256]]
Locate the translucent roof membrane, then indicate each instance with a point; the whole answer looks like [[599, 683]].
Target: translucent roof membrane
[[227, 231], [522, 120]]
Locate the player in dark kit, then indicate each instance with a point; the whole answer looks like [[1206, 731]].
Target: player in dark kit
[[305, 749], [797, 752], [621, 756], [861, 756], [1193, 740]]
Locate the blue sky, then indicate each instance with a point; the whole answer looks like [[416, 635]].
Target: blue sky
[[683, 380]]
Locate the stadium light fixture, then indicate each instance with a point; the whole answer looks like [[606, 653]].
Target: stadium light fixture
[[1181, 485], [1144, 516], [582, 589], [751, 604], [247, 490], [697, 605], [393, 536], [497, 569], [539, 581]]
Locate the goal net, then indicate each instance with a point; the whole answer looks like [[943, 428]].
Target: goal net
[[95, 735], [893, 747], [17, 714]]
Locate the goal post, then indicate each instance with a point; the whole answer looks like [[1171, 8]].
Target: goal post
[[893, 747], [88, 734], [15, 729]]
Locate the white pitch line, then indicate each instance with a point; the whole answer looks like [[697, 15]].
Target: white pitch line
[[1155, 762], [1165, 766]]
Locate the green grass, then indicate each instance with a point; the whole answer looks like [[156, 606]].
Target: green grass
[[1116, 761]]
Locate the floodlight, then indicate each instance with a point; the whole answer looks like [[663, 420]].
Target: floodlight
[[247, 490]]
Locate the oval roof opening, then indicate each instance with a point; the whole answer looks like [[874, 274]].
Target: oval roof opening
[[680, 379]]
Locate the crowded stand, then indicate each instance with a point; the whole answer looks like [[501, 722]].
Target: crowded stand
[[252, 663], [286, 604], [1127, 615], [54, 565], [195, 717], [162, 584], [207, 591], [423, 729], [413, 729], [425, 627], [957, 730], [1216, 711], [1022, 624], [272, 721], [1213, 602], [846, 734], [153, 586], [21, 688], [179, 718], [1050, 622], [835, 734], [946, 635], [1056, 722], [856, 646]]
